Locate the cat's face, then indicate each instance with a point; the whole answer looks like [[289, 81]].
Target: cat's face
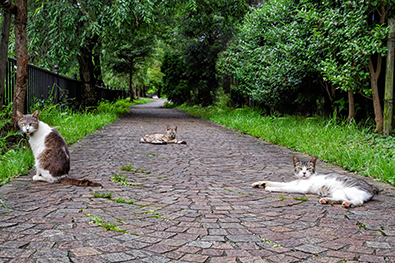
[[28, 123], [304, 169], [171, 133]]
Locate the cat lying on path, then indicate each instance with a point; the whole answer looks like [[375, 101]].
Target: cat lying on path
[[334, 188], [158, 138], [51, 154]]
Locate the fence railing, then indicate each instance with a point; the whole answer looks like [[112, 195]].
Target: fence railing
[[43, 84]]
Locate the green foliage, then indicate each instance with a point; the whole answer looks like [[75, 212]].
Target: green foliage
[[349, 145], [202, 31], [58, 29], [286, 49], [340, 30], [268, 58], [174, 83]]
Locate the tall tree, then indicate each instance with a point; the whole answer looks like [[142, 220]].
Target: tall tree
[[21, 60], [128, 54], [201, 29], [70, 33], [9, 8]]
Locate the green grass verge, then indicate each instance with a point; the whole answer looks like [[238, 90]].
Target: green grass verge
[[73, 126], [352, 146]]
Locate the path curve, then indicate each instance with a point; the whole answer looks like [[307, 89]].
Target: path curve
[[186, 203]]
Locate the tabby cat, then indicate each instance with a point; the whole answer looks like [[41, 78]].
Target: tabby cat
[[334, 188], [51, 154], [158, 138]]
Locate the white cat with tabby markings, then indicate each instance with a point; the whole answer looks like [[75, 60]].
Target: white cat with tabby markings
[[51, 155], [334, 188], [158, 138]]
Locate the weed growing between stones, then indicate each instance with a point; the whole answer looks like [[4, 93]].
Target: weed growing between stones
[[237, 192], [5, 205], [119, 200], [130, 168], [108, 226], [303, 198], [150, 213], [121, 178], [269, 242]]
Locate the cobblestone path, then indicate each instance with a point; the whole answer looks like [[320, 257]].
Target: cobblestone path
[[185, 203]]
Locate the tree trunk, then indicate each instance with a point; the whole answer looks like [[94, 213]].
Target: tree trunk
[[138, 91], [389, 79], [4, 40], [351, 105], [21, 60], [87, 76], [131, 92], [374, 75], [97, 71]]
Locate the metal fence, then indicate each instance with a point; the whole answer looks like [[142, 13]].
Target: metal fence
[[43, 84]]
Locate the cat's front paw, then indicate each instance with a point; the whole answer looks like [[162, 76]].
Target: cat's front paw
[[324, 201], [261, 184], [38, 177]]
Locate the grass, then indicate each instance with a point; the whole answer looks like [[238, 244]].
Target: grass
[[17, 159], [349, 145]]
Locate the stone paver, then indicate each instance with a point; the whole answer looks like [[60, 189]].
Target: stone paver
[[186, 203]]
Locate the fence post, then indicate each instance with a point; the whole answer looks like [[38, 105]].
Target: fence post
[[56, 67]]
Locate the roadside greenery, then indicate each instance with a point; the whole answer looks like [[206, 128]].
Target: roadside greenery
[[305, 56], [352, 146], [17, 159]]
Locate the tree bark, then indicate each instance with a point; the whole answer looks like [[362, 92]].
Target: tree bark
[[4, 40], [21, 60], [97, 69], [389, 80], [374, 75], [87, 76], [138, 91], [351, 105], [131, 92]]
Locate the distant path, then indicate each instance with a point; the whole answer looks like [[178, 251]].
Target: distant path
[[193, 203]]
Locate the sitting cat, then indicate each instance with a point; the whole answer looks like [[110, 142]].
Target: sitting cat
[[335, 188], [158, 138], [51, 155]]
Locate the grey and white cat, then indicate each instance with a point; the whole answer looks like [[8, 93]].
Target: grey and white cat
[[158, 138], [51, 154], [334, 188]]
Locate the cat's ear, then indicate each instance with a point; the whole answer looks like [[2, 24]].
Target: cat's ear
[[168, 127], [175, 128], [295, 160], [35, 114], [19, 114], [313, 160]]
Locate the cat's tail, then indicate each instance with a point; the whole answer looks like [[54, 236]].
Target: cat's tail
[[79, 182], [376, 190]]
